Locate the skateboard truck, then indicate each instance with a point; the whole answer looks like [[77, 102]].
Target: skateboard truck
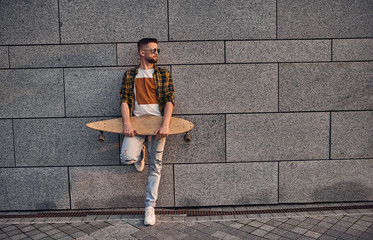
[[187, 137], [101, 137]]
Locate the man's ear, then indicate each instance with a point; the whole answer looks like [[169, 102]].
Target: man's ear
[[141, 53]]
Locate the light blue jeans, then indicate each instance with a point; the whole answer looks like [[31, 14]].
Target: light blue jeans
[[131, 152]]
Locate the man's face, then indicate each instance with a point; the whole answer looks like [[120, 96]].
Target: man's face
[[148, 55]]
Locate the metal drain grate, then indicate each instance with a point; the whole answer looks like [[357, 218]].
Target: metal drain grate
[[185, 212]]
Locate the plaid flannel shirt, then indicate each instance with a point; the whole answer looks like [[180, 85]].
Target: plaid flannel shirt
[[164, 88]]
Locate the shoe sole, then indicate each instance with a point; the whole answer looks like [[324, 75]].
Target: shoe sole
[[138, 167], [149, 224], [128, 162]]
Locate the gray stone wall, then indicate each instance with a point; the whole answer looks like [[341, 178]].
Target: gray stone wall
[[280, 91]]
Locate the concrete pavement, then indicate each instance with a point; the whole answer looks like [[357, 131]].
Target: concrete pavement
[[301, 221]]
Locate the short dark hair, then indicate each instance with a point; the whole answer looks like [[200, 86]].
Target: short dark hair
[[145, 41]]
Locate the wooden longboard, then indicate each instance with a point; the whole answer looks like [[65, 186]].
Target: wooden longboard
[[144, 125]]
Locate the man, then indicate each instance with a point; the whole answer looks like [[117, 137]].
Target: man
[[146, 89]]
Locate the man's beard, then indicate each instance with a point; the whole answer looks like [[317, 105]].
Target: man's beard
[[151, 60]]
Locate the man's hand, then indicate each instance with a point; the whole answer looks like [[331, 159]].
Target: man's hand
[[162, 131], [129, 131]]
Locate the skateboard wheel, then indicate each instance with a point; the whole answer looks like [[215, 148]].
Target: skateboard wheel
[[187, 137], [101, 138]]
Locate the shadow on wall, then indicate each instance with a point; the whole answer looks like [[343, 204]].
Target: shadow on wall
[[343, 191], [115, 187], [114, 202], [10, 92], [262, 196], [106, 148], [46, 205]]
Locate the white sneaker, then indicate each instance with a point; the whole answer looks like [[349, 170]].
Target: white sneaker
[[141, 164], [149, 216]]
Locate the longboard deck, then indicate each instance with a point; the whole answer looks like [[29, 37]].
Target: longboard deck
[[144, 125]]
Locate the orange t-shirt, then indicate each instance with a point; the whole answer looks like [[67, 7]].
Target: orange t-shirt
[[146, 101]]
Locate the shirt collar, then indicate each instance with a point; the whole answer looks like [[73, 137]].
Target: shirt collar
[[156, 68]]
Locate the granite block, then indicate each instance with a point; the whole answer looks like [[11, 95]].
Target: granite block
[[225, 88], [207, 145], [222, 20], [191, 52], [326, 181], [28, 22], [112, 21], [278, 136], [34, 189], [62, 142], [352, 135], [324, 19], [278, 51], [93, 91], [6, 144], [225, 184], [352, 49], [116, 187], [31, 93], [63, 56], [326, 86], [4, 59], [176, 53], [128, 55]]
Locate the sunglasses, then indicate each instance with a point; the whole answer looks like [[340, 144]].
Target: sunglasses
[[153, 50]]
